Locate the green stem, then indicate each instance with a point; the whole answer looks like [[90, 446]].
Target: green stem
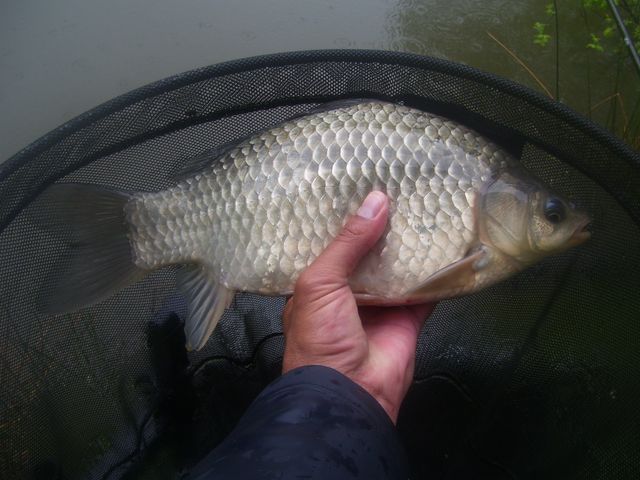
[[555, 7], [626, 36], [635, 110], [588, 29], [634, 125], [614, 110]]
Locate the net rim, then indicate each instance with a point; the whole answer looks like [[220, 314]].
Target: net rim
[[405, 59]]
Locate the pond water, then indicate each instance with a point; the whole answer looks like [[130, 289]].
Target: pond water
[[59, 59]]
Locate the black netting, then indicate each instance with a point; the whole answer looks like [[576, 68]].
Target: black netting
[[537, 377]]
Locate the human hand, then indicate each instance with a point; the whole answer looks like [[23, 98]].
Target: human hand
[[373, 346]]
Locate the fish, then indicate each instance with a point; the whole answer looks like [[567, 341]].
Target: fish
[[251, 216]]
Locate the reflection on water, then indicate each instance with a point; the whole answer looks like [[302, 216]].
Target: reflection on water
[[460, 30], [451, 29]]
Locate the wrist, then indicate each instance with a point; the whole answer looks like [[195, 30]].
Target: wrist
[[390, 406]]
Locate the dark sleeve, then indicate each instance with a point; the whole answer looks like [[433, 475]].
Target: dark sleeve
[[312, 423]]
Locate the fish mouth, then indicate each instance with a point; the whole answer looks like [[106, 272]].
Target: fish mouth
[[581, 234]]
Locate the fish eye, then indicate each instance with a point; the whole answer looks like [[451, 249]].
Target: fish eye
[[554, 210]]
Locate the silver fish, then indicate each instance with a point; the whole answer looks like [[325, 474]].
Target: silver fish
[[252, 217]]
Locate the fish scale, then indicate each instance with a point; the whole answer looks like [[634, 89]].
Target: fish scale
[[252, 217], [310, 174]]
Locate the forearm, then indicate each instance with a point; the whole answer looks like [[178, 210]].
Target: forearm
[[312, 422]]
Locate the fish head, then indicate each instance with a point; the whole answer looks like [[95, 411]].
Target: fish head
[[526, 221]]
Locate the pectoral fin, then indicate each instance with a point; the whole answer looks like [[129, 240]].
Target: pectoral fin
[[206, 298], [454, 280]]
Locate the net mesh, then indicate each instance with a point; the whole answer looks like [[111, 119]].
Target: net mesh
[[537, 377]]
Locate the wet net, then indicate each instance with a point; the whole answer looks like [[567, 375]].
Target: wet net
[[537, 377]]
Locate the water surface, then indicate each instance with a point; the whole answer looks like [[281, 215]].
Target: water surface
[[59, 59]]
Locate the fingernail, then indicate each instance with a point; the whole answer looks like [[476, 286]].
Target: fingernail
[[371, 205]]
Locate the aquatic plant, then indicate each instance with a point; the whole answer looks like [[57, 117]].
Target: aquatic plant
[[611, 29]]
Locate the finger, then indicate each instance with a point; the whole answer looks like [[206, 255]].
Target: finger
[[421, 312], [286, 314], [358, 236]]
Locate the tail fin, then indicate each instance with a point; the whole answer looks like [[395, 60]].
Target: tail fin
[[100, 260]]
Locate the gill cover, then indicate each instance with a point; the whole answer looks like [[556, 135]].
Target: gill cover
[[503, 214], [525, 221]]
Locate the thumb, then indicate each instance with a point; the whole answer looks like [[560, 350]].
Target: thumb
[[358, 236]]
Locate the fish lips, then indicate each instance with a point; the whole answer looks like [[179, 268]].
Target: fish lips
[[581, 234]]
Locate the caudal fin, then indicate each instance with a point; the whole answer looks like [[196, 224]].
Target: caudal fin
[[100, 260]]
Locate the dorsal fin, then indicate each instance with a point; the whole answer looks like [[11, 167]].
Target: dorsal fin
[[200, 162], [203, 160], [341, 103], [332, 105]]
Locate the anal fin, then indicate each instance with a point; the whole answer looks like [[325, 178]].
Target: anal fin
[[206, 299]]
